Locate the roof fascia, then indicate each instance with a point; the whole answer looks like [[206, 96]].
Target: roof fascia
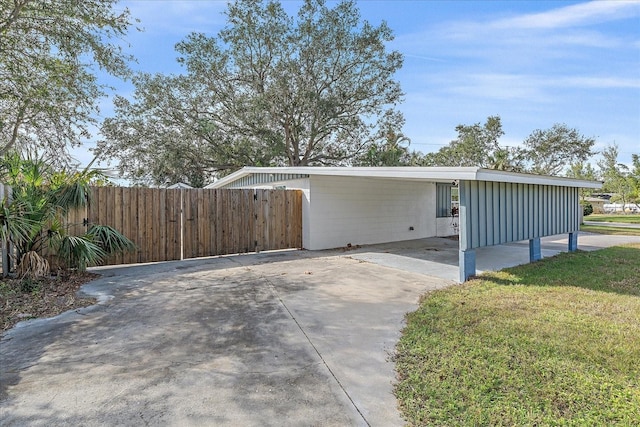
[[229, 178], [441, 174], [525, 178]]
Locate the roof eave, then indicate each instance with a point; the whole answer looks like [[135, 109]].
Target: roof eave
[[526, 178], [230, 178], [414, 173]]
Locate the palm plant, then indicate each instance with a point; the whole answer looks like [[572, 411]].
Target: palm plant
[[33, 219], [78, 252], [110, 240]]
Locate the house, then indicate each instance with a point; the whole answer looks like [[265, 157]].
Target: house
[[179, 186], [596, 203], [368, 205]]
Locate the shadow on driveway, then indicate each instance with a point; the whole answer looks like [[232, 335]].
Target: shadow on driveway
[[278, 338], [286, 338]]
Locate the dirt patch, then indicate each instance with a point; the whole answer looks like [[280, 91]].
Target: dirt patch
[[30, 299]]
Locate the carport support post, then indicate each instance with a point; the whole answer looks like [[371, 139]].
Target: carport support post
[[535, 253], [573, 241], [467, 264], [466, 253]]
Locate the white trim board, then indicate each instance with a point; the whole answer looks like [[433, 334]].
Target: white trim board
[[431, 174]]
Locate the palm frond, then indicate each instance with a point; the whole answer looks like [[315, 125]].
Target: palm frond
[[15, 222], [33, 265], [72, 195], [79, 252], [110, 239]]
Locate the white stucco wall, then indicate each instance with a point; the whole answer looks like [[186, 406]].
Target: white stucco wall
[[447, 226], [366, 211]]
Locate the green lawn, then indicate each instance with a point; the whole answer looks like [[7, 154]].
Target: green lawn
[[606, 229], [555, 342], [627, 219]]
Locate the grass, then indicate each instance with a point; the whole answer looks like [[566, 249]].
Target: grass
[[555, 342], [627, 219], [606, 229]]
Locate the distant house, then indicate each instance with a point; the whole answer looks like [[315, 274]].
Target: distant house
[[597, 204], [179, 186]]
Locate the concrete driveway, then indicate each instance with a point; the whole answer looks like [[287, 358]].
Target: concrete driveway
[[282, 338]]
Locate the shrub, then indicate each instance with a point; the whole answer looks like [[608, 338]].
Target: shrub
[[33, 219]]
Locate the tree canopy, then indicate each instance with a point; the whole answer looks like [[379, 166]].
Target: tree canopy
[[620, 178], [48, 53], [268, 89], [545, 152], [476, 145], [551, 151], [583, 170]]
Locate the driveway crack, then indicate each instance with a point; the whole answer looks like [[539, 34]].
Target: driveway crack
[[324, 362], [274, 290]]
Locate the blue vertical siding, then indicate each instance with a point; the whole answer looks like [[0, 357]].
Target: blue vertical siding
[[493, 213], [443, 200], [263, 178]]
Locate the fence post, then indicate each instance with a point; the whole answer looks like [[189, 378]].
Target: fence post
[[182, 224], [5, 198]]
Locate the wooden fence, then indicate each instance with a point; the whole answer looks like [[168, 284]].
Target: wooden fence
[[173, 224], [5, 247]]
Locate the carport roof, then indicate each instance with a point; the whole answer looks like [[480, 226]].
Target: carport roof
[[431, 174]]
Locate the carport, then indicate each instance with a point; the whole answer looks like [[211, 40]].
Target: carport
[[349, 206]]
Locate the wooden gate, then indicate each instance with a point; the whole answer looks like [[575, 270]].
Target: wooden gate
[[173, 224]]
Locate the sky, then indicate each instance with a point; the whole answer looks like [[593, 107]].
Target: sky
[[533, 63]]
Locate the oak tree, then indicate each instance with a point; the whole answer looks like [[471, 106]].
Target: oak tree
[[551, 151], [618, 178], [544, 152], [268, 89], [50, 51], [476, 145]]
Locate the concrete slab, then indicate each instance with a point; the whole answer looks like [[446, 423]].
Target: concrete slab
[[612, 224], [352, 313], [286, 338], [433, 256], [589, 241], [439, 256]]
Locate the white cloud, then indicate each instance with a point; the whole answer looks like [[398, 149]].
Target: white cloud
[[563, 26], [571, 16], [532, 87], [584, 39], [424, 57], [177, 17], [597, 82], [499, 86]]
